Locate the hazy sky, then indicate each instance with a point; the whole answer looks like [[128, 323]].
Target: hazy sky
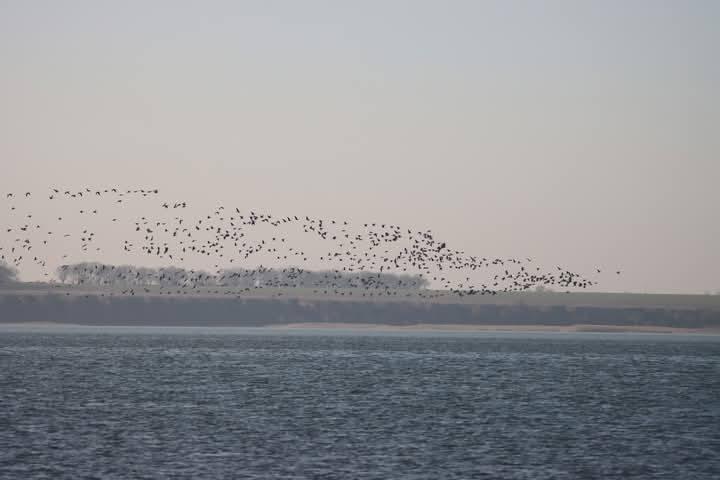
[[581, 133]]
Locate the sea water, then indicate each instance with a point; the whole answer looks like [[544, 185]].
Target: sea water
[[81, 402]]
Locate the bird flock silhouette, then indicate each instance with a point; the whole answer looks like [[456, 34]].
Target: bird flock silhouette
[[360, 259]]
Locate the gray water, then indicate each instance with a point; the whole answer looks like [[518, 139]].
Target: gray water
[[204, 403]]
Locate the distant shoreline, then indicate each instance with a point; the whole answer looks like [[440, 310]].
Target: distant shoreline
[[576, 312], [419, 327], [429, 327]]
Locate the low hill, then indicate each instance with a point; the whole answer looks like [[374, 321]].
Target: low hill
[[20, 303]]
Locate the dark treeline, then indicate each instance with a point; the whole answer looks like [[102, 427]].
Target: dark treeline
[[97, 274], [8, 274]]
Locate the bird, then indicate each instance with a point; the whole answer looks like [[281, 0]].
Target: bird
[[378, 257]]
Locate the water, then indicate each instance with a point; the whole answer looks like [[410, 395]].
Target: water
[[209, 403]]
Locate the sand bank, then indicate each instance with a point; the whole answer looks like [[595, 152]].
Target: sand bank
[[497, 328]]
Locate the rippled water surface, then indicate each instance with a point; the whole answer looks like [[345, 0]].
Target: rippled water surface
[[190, 403]]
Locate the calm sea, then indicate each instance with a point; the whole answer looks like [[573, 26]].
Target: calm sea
[[241, 403]]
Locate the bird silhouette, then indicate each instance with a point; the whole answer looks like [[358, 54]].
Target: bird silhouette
[[376, 258]]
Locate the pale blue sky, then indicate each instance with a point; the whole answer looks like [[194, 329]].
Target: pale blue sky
[[582, 133]]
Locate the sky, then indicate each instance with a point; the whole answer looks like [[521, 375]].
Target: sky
[[574, 132]]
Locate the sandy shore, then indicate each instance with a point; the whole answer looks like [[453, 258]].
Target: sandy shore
[[496, 328], [421, 327]]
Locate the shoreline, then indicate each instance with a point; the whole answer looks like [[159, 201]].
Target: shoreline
[[531, 312], [430, 327], [419, 327]]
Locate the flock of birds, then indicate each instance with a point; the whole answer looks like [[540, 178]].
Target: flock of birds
[[368, 259]]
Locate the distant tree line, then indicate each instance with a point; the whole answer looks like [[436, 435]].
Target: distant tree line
[[123, 276], [8, 274]]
